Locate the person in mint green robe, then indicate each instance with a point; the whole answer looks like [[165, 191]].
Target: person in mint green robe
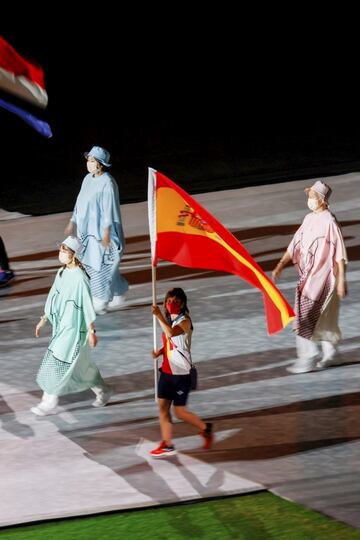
[[67, 366]]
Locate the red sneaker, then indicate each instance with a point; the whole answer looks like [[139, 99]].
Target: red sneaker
[[208, 436], [163, 450]]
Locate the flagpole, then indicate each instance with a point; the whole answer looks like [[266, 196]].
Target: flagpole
[[153, 277]]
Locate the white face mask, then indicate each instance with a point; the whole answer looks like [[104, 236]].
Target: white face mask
[[92, 167], [313, 204], [64, 257]]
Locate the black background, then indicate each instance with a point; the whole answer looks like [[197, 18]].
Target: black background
[[209, 105]]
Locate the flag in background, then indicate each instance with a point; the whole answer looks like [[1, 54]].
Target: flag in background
[[42, 127], [183, 232], [21, 77]]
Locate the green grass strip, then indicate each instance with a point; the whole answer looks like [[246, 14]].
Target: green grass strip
[[261, 516]]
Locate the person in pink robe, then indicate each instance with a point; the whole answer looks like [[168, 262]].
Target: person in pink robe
[[318, 251]]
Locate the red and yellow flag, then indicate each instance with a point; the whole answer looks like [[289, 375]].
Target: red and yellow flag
[[183, 232]]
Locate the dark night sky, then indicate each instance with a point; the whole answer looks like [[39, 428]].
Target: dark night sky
[[194, 106]]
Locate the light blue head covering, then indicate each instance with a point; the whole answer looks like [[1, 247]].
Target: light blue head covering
[[100, 154]]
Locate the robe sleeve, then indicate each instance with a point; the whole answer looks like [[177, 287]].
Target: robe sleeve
[[87, 303], [338, 242], [74, 214], [294, 247], [48, 304], [80, 196], [107, 203]]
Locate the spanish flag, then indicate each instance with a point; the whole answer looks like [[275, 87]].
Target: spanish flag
[[183, 232]]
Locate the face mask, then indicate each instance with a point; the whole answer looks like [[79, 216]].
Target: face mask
[[64, 257], [173, 309], [92, 167], [313, 204]]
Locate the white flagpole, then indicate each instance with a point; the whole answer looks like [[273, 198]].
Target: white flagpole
[[152, 230], [153, 276]]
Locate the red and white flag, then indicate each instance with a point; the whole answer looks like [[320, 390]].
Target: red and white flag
[[21, 77]]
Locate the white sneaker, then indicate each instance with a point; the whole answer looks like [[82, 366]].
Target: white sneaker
[[99, 306], [103, 398], [303, 366], [117, 302]]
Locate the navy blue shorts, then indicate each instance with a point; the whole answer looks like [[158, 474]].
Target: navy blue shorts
[[175, 388]]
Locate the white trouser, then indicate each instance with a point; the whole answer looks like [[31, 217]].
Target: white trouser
[[99, 305], [329, 350], [309, 350], [99, 390]]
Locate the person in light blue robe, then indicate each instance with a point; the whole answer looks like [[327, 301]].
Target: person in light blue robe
[[96, 219]]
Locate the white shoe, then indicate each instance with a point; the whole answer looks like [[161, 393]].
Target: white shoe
[[335, 360], [117, 302], [47, 405], [303, 366], [103, 398], [43, 412], [99, 306]]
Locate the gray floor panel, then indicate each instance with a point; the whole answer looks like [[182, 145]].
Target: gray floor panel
[[296, 435]]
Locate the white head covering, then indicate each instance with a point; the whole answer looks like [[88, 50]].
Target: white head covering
[[321, 188], [74, 243]]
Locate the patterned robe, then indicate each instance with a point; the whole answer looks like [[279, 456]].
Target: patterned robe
[[315, 249], [67, 366]]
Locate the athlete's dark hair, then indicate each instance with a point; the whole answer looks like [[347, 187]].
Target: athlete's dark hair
[[179, 293]]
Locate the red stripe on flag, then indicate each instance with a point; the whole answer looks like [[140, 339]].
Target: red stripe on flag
[[193, 251], [10, 60], [21, 77]]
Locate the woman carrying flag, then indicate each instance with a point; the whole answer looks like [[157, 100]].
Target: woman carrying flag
[[174, 382]]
